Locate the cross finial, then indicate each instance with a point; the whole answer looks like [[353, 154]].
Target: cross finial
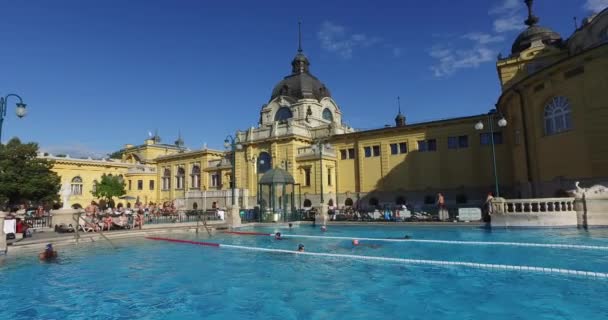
[[532, 19], [300, 36]]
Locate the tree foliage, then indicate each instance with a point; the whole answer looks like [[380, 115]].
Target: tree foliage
[[115, 155], [24, 177], [109, 187]]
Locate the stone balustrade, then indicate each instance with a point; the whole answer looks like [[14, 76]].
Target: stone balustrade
[[538, 205]]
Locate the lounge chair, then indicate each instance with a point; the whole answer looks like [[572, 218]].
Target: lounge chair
[[84, 226]]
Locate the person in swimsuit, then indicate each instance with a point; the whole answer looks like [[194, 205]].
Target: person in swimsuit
[[48, 254]]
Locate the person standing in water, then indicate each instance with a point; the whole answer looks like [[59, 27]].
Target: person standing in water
[[48, 254], [300, 248]]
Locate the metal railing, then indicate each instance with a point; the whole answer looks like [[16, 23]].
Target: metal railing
[[39, 222]]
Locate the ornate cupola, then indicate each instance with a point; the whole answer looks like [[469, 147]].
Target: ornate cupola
[[400, 118], [179, 142], [535, 34]]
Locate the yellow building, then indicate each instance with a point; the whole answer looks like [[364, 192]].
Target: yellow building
[[554, 96]]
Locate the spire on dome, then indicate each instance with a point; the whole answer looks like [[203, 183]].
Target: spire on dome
[[400, 118], [300, 62], [532, 19]]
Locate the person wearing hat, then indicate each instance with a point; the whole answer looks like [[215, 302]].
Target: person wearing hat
[[300, 248], [48, 254]]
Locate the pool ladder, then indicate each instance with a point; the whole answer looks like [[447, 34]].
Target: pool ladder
[[204, 220], [76, 218]]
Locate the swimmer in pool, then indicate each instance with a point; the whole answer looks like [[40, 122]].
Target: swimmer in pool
[[323, 228], [405, 237], [300, 248], [356, 243], [290, 225], [48, 254], [277, 236]]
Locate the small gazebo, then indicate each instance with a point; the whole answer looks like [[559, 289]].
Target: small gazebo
[[276, 196]]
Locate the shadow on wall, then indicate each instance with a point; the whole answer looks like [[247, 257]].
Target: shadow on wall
[[417, 179]]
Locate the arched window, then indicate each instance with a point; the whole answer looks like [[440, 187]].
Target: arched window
[[76, 186], [264, 162], [195, 206], [283, 114], [348, 202], [557, 116], [196, 177], [95, 183], [373, 202], [166, 179], [179, 178], [400, 200], [327, 115], [330, 202], [307, 203]]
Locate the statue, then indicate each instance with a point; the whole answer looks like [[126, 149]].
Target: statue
[[596, 191], [65, 192]]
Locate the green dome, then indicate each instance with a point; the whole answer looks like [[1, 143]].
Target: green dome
[[277, 176]]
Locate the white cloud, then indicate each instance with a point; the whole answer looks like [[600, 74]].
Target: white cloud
[[483, 38], [508, 16], [334, 38], [596, 5], [506, 24], [451, 60]]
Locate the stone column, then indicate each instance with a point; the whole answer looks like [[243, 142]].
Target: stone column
[[65, 216], [321, 217], [234, 217], [2, 234]]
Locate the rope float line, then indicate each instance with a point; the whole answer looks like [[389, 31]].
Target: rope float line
[[480, 243], [588, 274]]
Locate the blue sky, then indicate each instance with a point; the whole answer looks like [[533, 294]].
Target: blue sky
[[99, 74]]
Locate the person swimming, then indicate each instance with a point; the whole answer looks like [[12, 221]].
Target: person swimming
[[323, 228], [277, 236], [404, 237], [48, 254], [300, 248], [356, 243], [290, 225]]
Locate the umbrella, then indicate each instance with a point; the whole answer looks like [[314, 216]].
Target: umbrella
[[126, 198]]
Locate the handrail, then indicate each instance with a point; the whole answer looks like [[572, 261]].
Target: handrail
[[76, 217]]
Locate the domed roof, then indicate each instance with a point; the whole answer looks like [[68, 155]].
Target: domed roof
[[300, 84], [534, 33], [276, 176]]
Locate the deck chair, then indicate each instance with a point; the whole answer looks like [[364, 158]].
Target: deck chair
[[82, 224]]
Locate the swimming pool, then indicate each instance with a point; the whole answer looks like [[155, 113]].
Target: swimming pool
[[162, 280]]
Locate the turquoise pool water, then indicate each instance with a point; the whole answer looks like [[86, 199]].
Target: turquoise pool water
[[146, 279]]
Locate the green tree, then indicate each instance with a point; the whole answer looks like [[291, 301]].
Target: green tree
[[109, 187], [24, 177], [115, 155]]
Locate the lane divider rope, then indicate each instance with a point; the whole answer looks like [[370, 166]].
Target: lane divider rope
[[476, 243], [488, 266]]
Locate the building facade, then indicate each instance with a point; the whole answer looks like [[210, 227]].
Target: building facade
[[554, 100]]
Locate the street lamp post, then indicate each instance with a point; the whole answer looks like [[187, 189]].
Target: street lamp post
[[233, 144], [502, 122], [20, 110]]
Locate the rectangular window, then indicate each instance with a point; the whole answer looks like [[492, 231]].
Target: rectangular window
[[215, 180], [394, 148], [484, 138], [402, 147], [351, 153], [452, 142], [376, 150], [140, 184], [343, 154], [368, 151], [129, 184], [459, 142], [427, 145], [151, 186], [329, 177], [398, 148], [307, 177], [463, 142], [422, 145]]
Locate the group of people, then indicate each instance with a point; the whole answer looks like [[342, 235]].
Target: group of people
[[96, 219]]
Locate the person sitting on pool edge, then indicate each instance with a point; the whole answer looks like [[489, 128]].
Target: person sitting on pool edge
[[277, 236], [300, 248], [48, 254]]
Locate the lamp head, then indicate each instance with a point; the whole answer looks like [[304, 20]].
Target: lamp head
[[479, 126], [502, 122], [21, 111]]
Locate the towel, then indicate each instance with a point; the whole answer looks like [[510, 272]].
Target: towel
[[10, 226]]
